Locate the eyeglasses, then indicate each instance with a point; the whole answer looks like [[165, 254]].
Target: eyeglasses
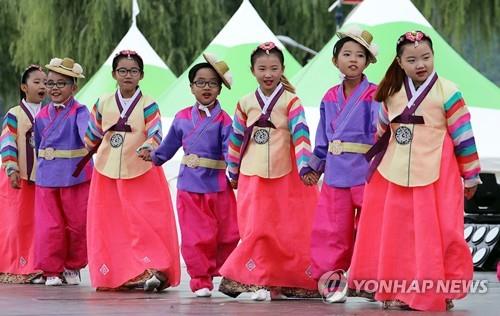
[[60, 84], [202, 83], [134, 72]]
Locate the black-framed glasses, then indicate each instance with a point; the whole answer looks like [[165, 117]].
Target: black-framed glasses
[[60, 83], [202, 83], [134, 72]]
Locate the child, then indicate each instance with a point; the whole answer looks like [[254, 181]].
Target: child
[[346, 131], [411, 228], [60, 199], [275, 209], [17, 189], [132, 238], [205, 201]]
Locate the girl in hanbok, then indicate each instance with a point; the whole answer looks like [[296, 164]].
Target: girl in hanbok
[[132, 238], [410, 237], [268, 152], [17, 186], [206, 204]]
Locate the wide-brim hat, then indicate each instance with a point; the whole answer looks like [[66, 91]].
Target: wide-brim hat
[[364, 38], [65, 66], [221, 68]]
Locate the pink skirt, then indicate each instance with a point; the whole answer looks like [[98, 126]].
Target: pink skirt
[[17, 214], [130, 229], [413, 237], [275, 221]]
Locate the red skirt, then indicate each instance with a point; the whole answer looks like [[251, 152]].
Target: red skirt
[[414, 235], [130, 229]]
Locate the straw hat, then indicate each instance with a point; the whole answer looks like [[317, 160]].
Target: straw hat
[[221, 68], [364, 38], [66, 66]]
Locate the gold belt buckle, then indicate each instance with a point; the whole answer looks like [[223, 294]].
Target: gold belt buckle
[[49, 153], [336, 147], [192, 160]]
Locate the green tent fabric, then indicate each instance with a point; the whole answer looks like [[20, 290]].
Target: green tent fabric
[[157, 76], [387, 20], [234, 44]]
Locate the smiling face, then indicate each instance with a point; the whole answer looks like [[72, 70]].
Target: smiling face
[[127, 74], [351, 60], [206, 86], [60, 87], [417, 62], [34, 88], [268, 70]]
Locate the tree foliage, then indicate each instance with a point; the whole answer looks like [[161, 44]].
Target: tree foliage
[[34, 31]]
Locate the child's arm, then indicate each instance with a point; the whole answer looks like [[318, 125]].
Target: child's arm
[[8, 143], [318, 158], [460, 130], [94, 131], [82, 122], [152, 120], [300, 136], [235, 142], [383, 120], [168, 147]]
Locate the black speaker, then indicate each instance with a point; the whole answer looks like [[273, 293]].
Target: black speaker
[[484, 245], [487, 197]]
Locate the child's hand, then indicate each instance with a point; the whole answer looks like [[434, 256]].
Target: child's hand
[[469, 192], [145, 154], [15, 180], [234, 184], [310, 178]]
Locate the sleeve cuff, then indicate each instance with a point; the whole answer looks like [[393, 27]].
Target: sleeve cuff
[[233, 176], [316, 163], [472, 182], [10, 169]]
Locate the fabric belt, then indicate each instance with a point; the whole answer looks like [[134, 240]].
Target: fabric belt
[[337, 147], [194, 161], [50, 153]]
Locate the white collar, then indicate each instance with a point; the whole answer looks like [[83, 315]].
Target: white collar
[[127, 102], [205, 108], [267, 100], [34, 108], [417, 92]]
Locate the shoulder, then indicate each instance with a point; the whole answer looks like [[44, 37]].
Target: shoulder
[[185, 113], [14, 111], [80, 108], [225, 118], [331, 94]]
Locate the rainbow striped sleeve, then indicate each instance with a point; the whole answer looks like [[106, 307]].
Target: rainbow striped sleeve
[[94, 131], [383, 120], [235, 142], [8, 142], [152, 118], [300, 134], [460, 130]]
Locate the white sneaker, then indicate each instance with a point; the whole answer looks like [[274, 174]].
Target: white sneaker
[[53, 281], [72, 277], [259, 295], [204, 292], [38, 280], [151, 284], [276, 295]]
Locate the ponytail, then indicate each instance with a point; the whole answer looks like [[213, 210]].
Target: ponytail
[[391, 83], [286, 84]]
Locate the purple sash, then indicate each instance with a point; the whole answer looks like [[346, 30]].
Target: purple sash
[[263, 120], [30, 155], [406, 117]]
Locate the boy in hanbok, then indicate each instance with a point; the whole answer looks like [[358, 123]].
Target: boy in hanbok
[[132, 238], [346, 130], [269, 149], [206, 204], [60, 198], [17, 186], [424, 163]]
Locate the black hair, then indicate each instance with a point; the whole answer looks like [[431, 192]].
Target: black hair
[[341, 42], [128, 55], [195, 68], [25, 76], [262, 52]]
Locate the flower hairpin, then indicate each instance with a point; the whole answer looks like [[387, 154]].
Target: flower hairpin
[[413, 36], [267, 46]]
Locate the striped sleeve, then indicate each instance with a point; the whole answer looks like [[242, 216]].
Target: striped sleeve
[[235, 142], [152, 119], [94, 131], [383, 120], [460, 130], [8, 142], [300, 134]]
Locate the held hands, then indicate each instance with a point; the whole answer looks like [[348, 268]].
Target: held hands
[[469, 192], [144, 154], [234, 184], [15, 180], [310, 178]]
